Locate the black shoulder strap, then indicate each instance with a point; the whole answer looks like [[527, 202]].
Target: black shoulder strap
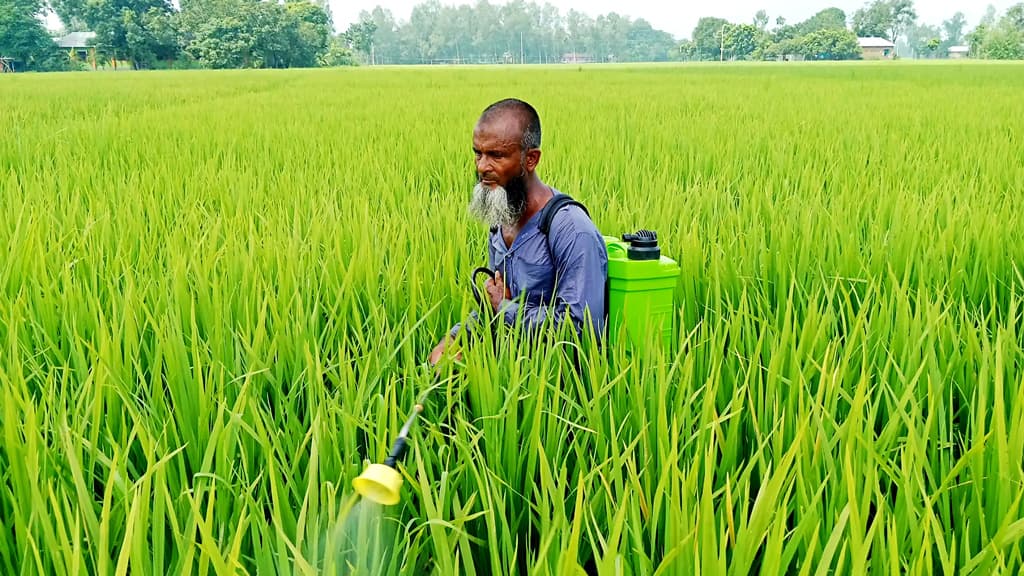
[[553, 206], [548, 214]]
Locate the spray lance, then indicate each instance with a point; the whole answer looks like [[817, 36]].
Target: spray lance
[[641, 280], [382, 483]]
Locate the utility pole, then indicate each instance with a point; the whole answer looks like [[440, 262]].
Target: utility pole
[[721, 53]]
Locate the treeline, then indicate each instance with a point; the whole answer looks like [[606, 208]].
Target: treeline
[[824, 36], [831, 34], [203, 33], [516, 32], [301, 33]]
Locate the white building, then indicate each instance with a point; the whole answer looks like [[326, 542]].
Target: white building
[[959, 52], [875, 48]]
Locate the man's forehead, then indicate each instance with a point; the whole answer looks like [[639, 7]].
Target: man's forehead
[[504, 130]]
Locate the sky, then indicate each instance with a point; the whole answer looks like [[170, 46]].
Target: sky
[[678, 17]]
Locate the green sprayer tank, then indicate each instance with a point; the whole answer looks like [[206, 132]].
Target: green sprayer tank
[[641, 290]]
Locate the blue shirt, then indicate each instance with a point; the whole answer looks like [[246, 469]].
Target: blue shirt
[[564, 282]]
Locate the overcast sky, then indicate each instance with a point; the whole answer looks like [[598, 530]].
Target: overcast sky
[[678, 17]]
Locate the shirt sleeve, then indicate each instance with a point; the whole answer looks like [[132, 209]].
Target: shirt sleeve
[[581, 268]]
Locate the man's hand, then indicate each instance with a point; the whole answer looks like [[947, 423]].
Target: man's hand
[[440, 349], [497, 290]]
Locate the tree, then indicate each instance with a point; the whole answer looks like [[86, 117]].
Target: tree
[[140, 31], [989, 19], [828, 19], [359, 37], [885, 18], [707, 37], [1015, 16], [872, 20], [953, 30], [643, 43], [901, 16], [831, 44], [920, 39], [761, 20], [23, 36], [312, 26], [1004, 42], [338, 54], [741, 40], [976, 39]]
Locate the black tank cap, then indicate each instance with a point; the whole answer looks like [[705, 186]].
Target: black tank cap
[[643, 245]]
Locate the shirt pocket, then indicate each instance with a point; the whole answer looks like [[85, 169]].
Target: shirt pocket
[[534, 274]]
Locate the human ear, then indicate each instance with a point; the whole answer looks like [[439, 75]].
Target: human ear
[[532, 159]]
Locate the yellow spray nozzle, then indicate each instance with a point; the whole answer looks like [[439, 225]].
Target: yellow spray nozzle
[[380, 483]]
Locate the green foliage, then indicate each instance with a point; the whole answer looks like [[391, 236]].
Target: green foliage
[[140, 31], [831, 44], [338, 54], [742, 40], [511, 32], [823, 36], [884, 18], [359, 37], [1002, 40], [707, 37], [255, 34], [828, 19], [23, 36], [953, 30], [1003, 43]]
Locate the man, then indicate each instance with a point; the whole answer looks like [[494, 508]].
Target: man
[[562, 274]]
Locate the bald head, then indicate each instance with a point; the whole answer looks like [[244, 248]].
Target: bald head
[[524, 116]]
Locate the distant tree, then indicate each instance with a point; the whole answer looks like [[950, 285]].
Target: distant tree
[[831, 44], [988, 20], [23, 36], [872, 20], [741, 41], [359, 37], [1004, 43], [312, 29], [919, 39], [976, 40], [707, 37], [902, 15], [1015, 16], [953, 29], [884, 18], [761, 20], [643, 43], [139, 31], [828, 19], [338, 54]]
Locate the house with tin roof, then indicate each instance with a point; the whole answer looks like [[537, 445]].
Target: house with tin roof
[[875, 48]]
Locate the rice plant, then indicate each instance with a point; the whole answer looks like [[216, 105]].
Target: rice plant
[[220, 288]]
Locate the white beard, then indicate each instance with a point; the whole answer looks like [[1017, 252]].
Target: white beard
[[490, 206]]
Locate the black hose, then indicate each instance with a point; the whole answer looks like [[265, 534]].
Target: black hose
[[476, 291]]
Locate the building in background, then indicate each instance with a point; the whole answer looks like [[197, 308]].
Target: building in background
[[959, 52], [875, 48]]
